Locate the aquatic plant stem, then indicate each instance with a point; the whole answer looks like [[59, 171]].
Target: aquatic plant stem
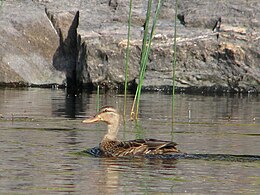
[[1, 3], [132, 114], [174, 60], [146, 28], [144, 46], [127, 54], [145, 58]]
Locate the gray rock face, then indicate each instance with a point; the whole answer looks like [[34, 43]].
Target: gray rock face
[[84, 42], [27, 43]]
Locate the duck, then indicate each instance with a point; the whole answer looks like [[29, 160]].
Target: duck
[[110, 146]]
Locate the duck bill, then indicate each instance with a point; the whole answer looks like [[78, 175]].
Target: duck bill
[[92, 120]]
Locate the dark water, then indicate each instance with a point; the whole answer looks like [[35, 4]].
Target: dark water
[[41, 132]]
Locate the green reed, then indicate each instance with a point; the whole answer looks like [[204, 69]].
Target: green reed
[[144, 47], [127, 54], [146, 30], [139, 133], [145, 53], [174, 58], [174, 65]]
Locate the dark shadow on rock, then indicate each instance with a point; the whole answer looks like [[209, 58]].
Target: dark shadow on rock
[[81, 71], [65, 57]]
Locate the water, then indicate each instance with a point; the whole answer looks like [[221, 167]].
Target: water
[[41, 133]]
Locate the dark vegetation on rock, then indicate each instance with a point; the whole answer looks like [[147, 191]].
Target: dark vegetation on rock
[[81, 44]]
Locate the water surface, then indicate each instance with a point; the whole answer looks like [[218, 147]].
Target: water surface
[[41, 132]]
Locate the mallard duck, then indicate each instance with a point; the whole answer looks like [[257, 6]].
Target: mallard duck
[[110, 146]]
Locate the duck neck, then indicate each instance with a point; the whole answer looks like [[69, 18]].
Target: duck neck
[[112, 130]]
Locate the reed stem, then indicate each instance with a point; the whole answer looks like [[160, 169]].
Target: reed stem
[[1, 3], [144, 47], [146, 28], [145, 58], [127, 54], [174, 59]]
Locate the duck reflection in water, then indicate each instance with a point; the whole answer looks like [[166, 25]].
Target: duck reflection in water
[[110, 146]]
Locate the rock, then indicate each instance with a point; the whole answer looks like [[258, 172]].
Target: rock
[[28, 42], [84, 42], [66, 55]]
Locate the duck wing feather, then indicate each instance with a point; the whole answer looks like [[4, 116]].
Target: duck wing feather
[[145, 146]]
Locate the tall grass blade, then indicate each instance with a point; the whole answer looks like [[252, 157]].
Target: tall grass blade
[[127, 54], [132, 114], [144, 46], [1, 3], [139, 131], [145, 58], [146, 29], [174, 62]]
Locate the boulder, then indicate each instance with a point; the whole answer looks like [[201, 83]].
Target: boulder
[[27, 44], [84, 44]]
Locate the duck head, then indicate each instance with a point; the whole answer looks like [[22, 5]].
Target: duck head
[[111, 117]]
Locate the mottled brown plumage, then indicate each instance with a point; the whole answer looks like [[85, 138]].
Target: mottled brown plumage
[[111, 147]]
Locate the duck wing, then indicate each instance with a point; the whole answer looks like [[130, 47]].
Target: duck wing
[[145, 146]]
